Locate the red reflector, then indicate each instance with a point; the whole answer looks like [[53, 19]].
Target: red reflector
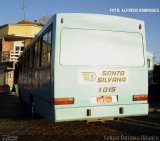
[[63, 101], [1, 87], [140, 97]]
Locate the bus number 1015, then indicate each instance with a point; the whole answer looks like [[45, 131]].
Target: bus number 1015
[[107, 89]]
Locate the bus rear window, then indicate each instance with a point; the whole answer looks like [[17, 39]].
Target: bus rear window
[[93, 47]]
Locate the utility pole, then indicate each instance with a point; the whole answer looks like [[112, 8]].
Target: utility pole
[[23, 8]]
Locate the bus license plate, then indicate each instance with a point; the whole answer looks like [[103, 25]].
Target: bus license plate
[[104, 99]]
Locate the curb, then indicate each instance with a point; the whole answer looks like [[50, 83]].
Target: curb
[[154, 110], [155, 116], [154, 113]]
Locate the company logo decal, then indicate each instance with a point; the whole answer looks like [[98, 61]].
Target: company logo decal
[[89, 76], [109, 76]]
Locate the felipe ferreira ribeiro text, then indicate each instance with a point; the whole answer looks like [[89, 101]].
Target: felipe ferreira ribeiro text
[[130, 138], [134, 10]]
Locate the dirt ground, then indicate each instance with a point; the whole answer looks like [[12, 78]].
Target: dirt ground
[[15, 121], [16, 124]]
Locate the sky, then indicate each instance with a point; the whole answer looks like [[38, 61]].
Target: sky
[[12, 12]]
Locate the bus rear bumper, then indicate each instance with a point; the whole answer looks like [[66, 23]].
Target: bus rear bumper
[[98, 112]]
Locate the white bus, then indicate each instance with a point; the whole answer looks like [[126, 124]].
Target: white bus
[[86, 67]]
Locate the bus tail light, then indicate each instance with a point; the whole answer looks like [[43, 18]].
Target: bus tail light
[[63, 101], [142, 97]]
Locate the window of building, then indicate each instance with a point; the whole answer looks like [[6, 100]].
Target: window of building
[[17, 48], [22, 48]]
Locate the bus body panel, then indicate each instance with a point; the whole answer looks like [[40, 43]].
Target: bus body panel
[[68, 79], [100, 112]]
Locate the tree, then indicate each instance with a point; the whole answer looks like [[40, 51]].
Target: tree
[[44, 19]]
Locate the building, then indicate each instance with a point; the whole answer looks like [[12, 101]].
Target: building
[[13, 39]]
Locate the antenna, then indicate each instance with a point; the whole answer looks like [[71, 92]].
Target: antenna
[[23, 8]]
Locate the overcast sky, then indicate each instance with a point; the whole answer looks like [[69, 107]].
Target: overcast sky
[[11, 12]]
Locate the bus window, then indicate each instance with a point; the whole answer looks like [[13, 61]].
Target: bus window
[[93, 47], [46, 46], [20, 65], [27, 60], [31, 60], [23, 62], [49, 45], [37, 54]]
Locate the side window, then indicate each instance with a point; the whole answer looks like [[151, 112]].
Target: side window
[[23, 60], [49, 45], [20, 65], [37, 54], [31, 60], [35, 57], [27, 55], [46, 48]]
